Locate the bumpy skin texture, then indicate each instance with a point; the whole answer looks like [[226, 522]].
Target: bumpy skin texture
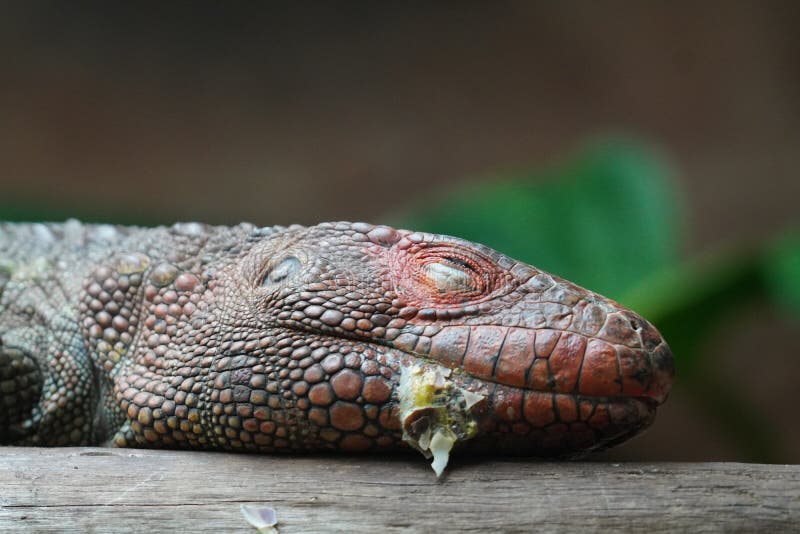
[[271, 339]]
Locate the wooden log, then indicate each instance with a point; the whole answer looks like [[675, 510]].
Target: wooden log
[[127, 490]]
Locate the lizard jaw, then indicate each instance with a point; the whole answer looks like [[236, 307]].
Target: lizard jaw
[[442, 408], [530, 391], [550, 360]]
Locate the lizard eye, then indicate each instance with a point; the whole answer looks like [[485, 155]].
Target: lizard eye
[[450, 276], [443, 275], [282, 271]]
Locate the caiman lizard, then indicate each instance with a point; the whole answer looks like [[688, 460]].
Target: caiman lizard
[[340, 336]]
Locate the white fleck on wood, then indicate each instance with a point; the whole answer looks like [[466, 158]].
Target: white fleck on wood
[[127, 490]]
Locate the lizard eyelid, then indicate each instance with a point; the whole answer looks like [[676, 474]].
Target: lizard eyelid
[[450, 276]]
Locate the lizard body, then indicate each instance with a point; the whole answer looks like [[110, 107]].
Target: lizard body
[[340, 336]]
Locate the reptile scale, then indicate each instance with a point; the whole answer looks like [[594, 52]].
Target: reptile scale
[[341, 336]]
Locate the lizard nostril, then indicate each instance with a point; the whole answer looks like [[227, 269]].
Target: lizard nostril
[[634, 321]]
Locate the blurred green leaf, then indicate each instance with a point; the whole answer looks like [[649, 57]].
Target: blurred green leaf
[[605, 221], [782, 271]]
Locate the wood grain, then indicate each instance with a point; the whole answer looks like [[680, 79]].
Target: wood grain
[[116, 490]]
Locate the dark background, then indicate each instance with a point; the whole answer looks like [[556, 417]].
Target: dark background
[[273, 114]]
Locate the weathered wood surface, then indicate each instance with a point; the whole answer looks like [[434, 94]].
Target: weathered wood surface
[[112, 490]]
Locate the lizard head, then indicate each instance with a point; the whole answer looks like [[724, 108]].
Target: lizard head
[[350, 336], [427, 330]]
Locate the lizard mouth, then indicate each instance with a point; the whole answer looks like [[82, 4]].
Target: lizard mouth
[[540, 392], [534, 392], [551, 361], [548, 363], [482, 414], [513, 390]]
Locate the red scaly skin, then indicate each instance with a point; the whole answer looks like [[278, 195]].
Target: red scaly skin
[[298, 339]]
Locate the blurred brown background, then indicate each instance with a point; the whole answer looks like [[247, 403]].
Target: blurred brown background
[[275, 114]]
